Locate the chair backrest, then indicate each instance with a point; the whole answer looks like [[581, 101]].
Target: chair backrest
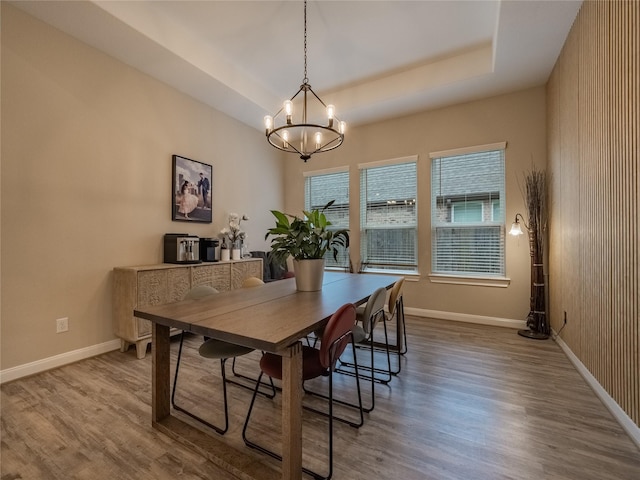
[[339, 325], [375, 305], [394, 296], [200, 291], [252, 282]]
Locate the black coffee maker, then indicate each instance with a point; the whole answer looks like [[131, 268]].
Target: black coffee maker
[[209, 249], [181, 248]]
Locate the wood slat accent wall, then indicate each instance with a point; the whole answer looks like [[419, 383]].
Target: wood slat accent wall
[[593, 100]]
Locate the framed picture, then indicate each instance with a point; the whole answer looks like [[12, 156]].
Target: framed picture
[[191, 195]]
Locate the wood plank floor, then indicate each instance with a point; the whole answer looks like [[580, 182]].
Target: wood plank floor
[[471, 402]]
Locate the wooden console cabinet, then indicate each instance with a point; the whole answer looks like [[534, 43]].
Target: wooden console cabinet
[[167, 283]]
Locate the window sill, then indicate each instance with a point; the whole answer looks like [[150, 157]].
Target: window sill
[[500, 282], [410, 275]]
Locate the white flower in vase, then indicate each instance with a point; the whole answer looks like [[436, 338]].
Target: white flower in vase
[[234, 233]]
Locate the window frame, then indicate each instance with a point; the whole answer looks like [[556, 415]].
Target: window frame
[[464, 277], [400, 268], [330, 264]]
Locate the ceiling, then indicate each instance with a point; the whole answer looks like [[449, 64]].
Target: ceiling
[[372, 59]]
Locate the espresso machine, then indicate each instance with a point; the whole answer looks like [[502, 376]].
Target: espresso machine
[[181, 248], [209, 249]]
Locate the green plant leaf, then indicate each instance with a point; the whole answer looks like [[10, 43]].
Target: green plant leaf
[[305, 238]]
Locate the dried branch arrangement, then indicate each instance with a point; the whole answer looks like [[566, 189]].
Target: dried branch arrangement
[[535, 184]]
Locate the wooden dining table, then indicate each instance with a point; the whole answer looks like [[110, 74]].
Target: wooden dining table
[[272, 318]]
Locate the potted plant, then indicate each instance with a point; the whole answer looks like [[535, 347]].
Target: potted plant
[[306, 240]]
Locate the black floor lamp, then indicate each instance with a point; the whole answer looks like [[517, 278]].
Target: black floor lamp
[[536, 199]]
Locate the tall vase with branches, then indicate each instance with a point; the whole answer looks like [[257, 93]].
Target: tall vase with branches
[[535, 194]]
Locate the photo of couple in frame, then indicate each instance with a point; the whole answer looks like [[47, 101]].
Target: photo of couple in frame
[[191, 185]]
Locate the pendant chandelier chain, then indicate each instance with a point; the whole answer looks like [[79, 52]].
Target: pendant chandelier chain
[[305, 79]]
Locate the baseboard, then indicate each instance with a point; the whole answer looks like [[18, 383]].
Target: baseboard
[[465, 317], [38, 366], [618, 413], [57, 361]]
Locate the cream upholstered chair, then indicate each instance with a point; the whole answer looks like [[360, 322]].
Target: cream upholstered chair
[[396, 311], [252, 282], [367, 319], [214, 349], [395, 308], [315, 363]]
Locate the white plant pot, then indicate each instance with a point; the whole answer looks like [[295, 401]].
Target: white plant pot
[[309, 274], [235, 254]]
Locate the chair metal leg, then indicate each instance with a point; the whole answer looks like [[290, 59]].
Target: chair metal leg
[[221, 431], [360, 407], [401, 321], [397, 349], [248, 387], [372, 377], [371, 345], [404, 327], [265, 450], [225, 380]]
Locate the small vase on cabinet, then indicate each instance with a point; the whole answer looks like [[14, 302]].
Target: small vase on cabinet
[[235, 250]]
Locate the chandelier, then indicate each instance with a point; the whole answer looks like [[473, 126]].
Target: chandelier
[[305, 137]]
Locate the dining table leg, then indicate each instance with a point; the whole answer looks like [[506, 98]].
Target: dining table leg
[[292, 412], [160, 373]]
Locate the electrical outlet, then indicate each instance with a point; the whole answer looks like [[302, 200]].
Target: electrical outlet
[[62, 324]]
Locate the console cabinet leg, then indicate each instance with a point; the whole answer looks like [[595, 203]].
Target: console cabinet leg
[[124, 345], [141, 348]]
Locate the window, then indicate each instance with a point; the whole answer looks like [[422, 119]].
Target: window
[[388, 215], [319, 189], [467, 211]]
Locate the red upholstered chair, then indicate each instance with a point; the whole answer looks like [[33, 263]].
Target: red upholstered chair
[[315, 363]]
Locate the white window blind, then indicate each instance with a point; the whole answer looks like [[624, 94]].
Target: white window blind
[[388, 217], [320, 189], [467, 213]]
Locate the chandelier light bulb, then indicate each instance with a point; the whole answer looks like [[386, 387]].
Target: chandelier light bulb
[[343, 127], [285, 139], [318, 138], [288, 110], [268, 123], [331, 111]]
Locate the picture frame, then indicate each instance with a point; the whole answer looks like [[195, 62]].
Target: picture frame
[[191, 195]]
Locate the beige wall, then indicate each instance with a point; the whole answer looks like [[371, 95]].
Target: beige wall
[[86, 181], [518, 119], [594, 145]]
